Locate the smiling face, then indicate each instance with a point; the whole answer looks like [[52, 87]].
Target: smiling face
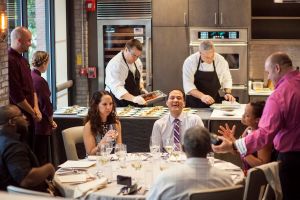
[[175, 102], [105, 106], [249, 118]]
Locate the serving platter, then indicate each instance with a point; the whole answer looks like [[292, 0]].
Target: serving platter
[[154, 97], [70, 110]]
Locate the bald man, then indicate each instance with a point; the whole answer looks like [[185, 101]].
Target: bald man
[[279, 124], [21, 91]]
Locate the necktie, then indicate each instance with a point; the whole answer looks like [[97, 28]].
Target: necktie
[[176, 131]]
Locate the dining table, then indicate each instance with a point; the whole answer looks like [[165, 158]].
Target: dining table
[[150, 167]]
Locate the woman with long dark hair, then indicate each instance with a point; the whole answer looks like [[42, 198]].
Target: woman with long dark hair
[[101, 124]]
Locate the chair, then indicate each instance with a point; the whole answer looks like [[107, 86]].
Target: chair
[[226, 193], [18, 190], [257, 186], [71, 137]]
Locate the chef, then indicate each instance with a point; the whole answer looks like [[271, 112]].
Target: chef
[[123, 75], [204, 73]]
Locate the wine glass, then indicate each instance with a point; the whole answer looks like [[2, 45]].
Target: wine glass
[[176, 151], [168, 147], [137, 165], [154, 149], [121, 151], [102, 158]]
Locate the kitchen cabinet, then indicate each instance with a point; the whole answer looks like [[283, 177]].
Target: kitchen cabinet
[[170, 49], [224, 13], [170, 12]]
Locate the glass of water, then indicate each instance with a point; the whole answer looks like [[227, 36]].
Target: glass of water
[[211, 158], [121, 152], [154, 149]]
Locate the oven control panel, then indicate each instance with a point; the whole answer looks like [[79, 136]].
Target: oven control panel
[[205, 35]]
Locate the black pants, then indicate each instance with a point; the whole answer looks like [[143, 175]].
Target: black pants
[[289, 173]]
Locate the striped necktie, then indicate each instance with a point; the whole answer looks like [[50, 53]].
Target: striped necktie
[[176, 131]]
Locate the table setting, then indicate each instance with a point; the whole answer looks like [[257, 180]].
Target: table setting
[[122, 175]]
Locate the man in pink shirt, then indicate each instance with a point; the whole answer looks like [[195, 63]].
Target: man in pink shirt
[[279, 124]]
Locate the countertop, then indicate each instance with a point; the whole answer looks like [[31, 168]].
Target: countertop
[[259, 93]]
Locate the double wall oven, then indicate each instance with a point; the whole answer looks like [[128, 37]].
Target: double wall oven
[[232, 44]]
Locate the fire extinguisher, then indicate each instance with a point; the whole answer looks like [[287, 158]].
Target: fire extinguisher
[[90, 5]]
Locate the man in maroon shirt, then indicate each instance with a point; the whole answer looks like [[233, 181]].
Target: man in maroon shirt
[[21, 91]]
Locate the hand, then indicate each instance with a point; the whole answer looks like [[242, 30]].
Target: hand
[[37, 114], [229, 97], [54, 125], [109, 136], [224, 147], [144, 91], [227, 132], [139, 100], [207, 99]]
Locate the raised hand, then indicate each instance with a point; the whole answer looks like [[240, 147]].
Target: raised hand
[[227, 132]]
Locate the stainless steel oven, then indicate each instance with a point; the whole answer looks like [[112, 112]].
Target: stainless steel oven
[[232, 44]]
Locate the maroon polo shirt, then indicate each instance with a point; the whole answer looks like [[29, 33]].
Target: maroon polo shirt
[[20, 82], [43, 93]]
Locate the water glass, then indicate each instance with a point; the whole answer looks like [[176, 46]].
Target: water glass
[[177, 151], [154, 150], [121, 152], [211, 158]]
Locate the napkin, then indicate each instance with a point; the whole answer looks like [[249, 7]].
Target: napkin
[[73, 178], [86, 188], [77, 164]]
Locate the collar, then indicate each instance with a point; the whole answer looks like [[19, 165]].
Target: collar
[[196, 160], [181, 117], [287, 76], [12, 51], [37, 72]]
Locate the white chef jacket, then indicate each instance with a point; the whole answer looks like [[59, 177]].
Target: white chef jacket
[[196, 174], [190, 66], [163, 127], [116, 73]]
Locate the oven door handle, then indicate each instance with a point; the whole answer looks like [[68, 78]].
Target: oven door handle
[[229, 44]]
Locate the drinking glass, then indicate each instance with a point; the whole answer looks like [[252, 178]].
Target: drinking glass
[[102, 159], [121, 152], [168, 147], [154, 149], [211, 158], [177, 151], [137, 164]]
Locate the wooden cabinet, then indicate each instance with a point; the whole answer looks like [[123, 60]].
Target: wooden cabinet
[[170, 12], [170, 49], [275, 20], [214, 13]]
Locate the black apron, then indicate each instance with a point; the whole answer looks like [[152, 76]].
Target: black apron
[[132, 85], [206, 82]]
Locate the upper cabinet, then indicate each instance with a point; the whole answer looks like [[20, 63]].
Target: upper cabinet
[[170, 13], [225, 13]]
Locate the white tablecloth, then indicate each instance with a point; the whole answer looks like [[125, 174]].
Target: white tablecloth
[[145, 177]]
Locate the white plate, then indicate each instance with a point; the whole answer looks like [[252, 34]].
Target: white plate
[[226, 113]]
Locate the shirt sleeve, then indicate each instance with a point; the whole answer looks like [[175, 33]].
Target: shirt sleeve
[[115, 78], [269, 124], [223, 72], [188, 72], [156, 137], [18, 162], [14, 73]]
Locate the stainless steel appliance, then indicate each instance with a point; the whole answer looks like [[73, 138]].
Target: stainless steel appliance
[[232, 44], [118, 22]]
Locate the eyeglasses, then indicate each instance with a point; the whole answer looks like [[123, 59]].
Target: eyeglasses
[[133, 54]]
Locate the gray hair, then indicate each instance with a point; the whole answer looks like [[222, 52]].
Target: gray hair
[[206, 45], [196, 142]]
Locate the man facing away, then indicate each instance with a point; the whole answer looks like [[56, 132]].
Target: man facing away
[[18, 165], [164, 129], [195, 174], [21, 91]]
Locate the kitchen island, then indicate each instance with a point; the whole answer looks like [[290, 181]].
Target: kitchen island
[[136, 132]]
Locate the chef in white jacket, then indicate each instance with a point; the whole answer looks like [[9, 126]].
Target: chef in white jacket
[[123, 75], [204, 73]]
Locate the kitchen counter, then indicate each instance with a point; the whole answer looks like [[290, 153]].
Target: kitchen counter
[[259, 93]]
